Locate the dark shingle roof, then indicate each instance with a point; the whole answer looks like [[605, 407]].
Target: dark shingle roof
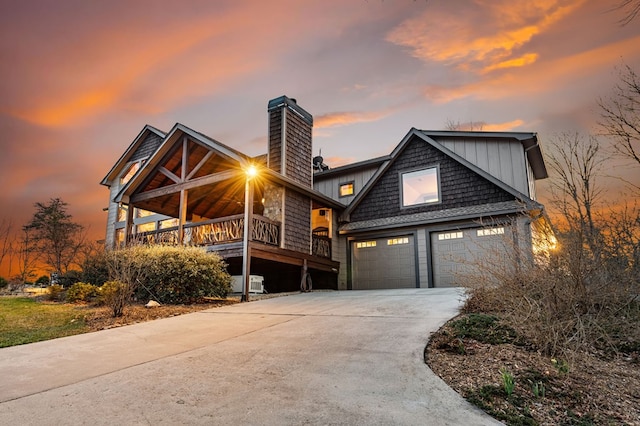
[[448, 215]]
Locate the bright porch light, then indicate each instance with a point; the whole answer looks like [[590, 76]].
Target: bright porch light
[[251, 171]]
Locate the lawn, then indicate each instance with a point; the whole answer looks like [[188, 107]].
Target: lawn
[[26, 320]]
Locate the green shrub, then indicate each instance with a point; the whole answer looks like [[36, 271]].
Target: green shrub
[[3, 283], [55, 292], [42, 281], [70, 278], [116, 295], [95, 269], [181, 275], [484, 328], [81, 292]]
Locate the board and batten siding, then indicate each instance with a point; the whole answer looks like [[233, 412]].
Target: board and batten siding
[[503, 159], [331, 186], [112, 215]]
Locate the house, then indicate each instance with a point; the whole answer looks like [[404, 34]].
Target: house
[[402, 220]]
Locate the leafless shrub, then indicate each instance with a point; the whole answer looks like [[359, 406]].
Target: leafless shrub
[[570, 303]]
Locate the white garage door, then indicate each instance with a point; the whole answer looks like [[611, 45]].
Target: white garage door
[[458, 254], [383, 263]]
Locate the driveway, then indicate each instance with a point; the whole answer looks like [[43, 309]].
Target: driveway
[[316, 358]]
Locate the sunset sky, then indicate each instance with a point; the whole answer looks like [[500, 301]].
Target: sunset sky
[[79, 79]]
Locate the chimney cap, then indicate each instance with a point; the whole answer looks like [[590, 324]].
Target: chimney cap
[[284, 102]]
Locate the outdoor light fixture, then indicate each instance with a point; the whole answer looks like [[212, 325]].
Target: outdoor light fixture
[[251, 172]]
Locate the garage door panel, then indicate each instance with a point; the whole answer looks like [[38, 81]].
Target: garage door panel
[[390, 263], [458, 254]]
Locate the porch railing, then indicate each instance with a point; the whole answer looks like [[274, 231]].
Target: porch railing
[[321, 246], [216, 231]]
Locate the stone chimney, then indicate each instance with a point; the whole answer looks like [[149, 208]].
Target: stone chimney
[[290, 140]]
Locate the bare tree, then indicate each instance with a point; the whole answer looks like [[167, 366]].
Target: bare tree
[[458, 126], [27, 256], [630, 8], [620, 116], [577, 162], [6, 243], [56, 236]]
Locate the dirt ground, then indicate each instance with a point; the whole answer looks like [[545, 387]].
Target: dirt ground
[[587, 390], [100, 318]]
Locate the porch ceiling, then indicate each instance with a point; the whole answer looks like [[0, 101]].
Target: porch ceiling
[[215, 200]]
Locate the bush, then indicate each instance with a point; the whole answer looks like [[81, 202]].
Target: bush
[[170, 274], [42, 281], [577, 301], [70, 278], [181, 275], [3, 283], [95, 269], [55, 292], [116, 295], [81, 292]]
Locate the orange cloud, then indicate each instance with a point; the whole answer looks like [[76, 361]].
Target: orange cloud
[[335, 119], [503, 127], [135, 69], [455, 37], [522, 61], [533, 80], [334, 162]]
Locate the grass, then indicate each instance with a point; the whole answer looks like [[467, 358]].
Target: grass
[[25, 320]]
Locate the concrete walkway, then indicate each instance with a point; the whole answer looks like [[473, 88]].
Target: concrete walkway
[[316, 358]]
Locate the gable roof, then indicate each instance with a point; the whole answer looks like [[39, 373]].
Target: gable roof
[[529, 141], [124, 158], [179, 130], [167, 144], [426, 136]]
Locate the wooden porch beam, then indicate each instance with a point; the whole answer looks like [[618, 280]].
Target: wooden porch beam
[[172, 189], [199, 165], [169, 174]]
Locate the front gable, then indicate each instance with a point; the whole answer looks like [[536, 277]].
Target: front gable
[[190, 161], [142, 147], [459, 186]]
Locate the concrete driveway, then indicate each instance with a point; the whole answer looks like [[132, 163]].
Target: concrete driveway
[[316, 358]]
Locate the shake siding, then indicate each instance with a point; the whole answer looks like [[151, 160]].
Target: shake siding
[[275, 140], [148, 147], [459, 186], [298, 155], [297, 216]]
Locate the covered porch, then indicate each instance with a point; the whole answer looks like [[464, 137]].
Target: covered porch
[[194, 195]]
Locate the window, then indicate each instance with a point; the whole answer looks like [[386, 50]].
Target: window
[[449, 235], [122, 213], [420, 187], [168, 223], [490, 231], [143, 213], [126, 177], [146, 227], [365, 244], [396, 241], [346, 189]]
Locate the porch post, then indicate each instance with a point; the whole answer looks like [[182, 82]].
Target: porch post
[[247, 231], [128, 225], [182, 217]]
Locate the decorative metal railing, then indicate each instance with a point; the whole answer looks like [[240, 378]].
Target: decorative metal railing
[[216, 231], [321, 246]]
